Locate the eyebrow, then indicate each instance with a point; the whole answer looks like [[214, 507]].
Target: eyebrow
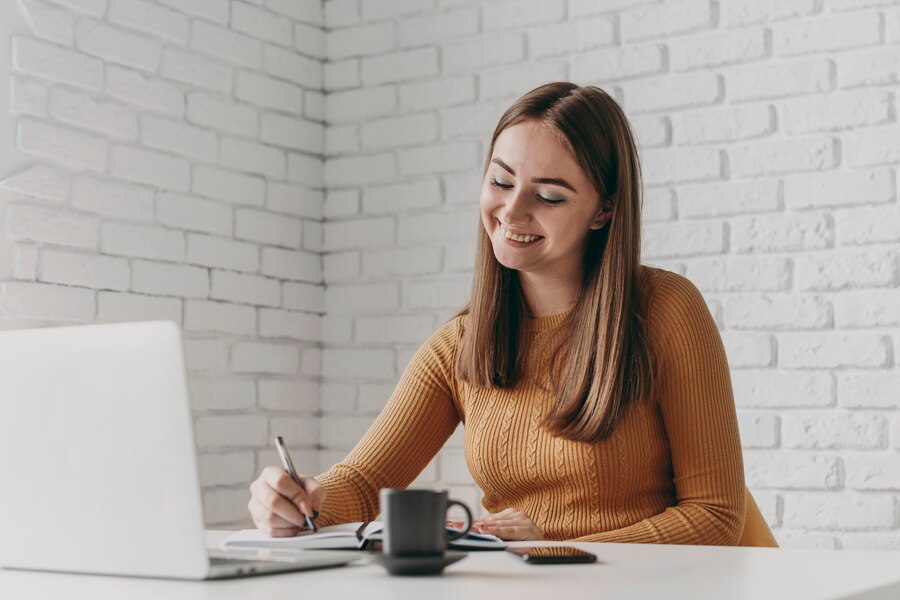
[[551, 180]]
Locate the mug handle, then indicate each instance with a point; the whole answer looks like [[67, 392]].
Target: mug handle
[[459, 534]]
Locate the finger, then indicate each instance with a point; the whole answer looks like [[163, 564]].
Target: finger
[[256, 510], [511, 533], [279, 481], [315, 492], [265, 517], [281, 506]]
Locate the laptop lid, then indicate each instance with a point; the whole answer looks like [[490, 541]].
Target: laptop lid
[[97, 457]]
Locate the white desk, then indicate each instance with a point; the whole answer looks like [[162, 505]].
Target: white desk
[[635, 572]]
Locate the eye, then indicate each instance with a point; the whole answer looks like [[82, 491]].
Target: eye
[[551, 201], [502, 186]]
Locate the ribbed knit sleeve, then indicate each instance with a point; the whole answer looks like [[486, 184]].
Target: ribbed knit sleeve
[[697, 407], [416, 422]]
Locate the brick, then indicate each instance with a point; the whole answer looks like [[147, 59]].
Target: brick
[[186, 67], [48, 22], [875, 225], [341, 266], [717, 49], [651, 131], [294, 199], [399, 66], [783, 233], [211, 10], [723, 125], [142, 241], [267, 92], [875, 146], [450, 294], [215, 431], [839, 512], [873, 472], [413, 329], [303, 296], [740, 274], [289, 264], [179, 138], [427, 95], [836, 431], [267, 228], [225, 507], [781, 79], [217, 112], [224, 44], [243, 288], [471, 55], [309, 40], [193, 213], [295, 395], [38, 181], [236, 188], [338, 398], [219, 317], [792, 470], [304, 428], [362, 298], [336, 330], [428, 227], [20, 300], [666, 20], [758, 430], [782, 389], [830, 271], [252, 157], [275, 323], [65, 146], [150, 167], [341, 203], [117, 306], [375, 363], [880, 389], [606, 65], [138, 89], [832, 351], [287, 64], [261, 24], [840, 188], [84, 270], [150, 18], [341, 13], [867, 308], [463, 188], [833, 34], [726, 199], [206, 354], [871, 67], [228, 468], [374, 168], [768, 312], [361, 104], [746, 350], [85, 112], [24, 261], [359, 233], [471, 120], [169, 280], [684, 239], [780, 157], [751, 12], [572, 37], [27, 97], [835, 112], [259, 357], [288, 132], [360, 41], [402, 261], [51, 225], [314, 105], [47, 61], [212, 251], [666, 166], [118, 46], [435, 28], [306, 170], [438, 158], [341, 75]]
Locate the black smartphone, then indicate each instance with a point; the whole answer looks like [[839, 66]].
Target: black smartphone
[[553, 555]]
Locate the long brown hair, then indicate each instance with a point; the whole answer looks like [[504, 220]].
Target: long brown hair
[[603, 365]]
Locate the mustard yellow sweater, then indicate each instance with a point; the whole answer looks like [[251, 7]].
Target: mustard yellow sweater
[[671, 473]]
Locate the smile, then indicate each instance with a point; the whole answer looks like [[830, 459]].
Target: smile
[[521, 238]]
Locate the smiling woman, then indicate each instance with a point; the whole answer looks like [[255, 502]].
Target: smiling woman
[[595, 391]]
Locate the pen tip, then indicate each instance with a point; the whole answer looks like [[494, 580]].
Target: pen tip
[[279, 439]]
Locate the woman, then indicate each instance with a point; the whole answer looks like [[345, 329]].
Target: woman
[[594, 391]]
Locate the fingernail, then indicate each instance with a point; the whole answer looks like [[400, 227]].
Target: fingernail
[[315, 514]]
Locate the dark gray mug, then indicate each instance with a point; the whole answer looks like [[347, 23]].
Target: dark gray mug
[[415, 522]]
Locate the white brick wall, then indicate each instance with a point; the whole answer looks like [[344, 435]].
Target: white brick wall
[[156, 135], [186, 153]]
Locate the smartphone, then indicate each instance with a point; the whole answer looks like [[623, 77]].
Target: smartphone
[[553, 555]]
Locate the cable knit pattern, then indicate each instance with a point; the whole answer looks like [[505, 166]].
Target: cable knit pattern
[[671, 473]]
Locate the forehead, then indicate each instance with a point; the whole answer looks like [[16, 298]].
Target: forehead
[[539, 150]]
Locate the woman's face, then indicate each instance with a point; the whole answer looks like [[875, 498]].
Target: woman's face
[[537, 205]]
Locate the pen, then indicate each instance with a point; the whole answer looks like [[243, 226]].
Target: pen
[[289, 467]]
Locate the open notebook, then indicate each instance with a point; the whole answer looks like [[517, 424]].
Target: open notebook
[[348, 536]]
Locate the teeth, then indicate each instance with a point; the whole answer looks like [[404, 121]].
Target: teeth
[[517, 237]]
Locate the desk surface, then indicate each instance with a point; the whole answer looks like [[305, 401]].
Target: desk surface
[[634, 571]]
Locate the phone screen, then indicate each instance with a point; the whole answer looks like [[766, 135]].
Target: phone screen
[[553, 555]]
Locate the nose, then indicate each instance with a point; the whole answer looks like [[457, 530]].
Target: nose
[[515, 208]]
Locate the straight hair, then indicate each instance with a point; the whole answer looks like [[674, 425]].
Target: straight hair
[[601, 365]]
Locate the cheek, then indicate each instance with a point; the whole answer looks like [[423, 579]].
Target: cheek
[[489, 203]]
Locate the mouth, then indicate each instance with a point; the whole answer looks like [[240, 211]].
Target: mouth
[[518, 238]]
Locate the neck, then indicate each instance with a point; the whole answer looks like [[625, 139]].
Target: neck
[[548, 295]]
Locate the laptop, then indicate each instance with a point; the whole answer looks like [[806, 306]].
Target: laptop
[[97, 458]]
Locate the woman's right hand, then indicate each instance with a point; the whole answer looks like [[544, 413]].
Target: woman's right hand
[[278, 505]]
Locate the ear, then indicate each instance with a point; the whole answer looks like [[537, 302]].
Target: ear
[[603, 217]]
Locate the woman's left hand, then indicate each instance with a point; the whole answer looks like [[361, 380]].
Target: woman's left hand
[[510, 525]]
